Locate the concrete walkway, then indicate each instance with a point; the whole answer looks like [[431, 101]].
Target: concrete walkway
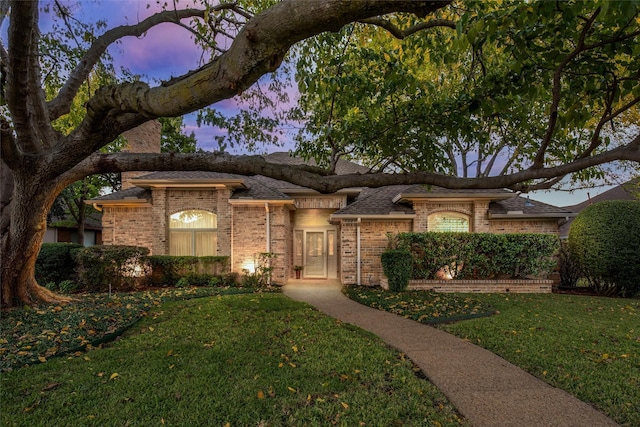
[[486, 389]]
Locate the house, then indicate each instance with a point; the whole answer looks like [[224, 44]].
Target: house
[[336, 236], [65, 230], [630, 190]]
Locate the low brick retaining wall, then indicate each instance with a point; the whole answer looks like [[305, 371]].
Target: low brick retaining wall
[[515, 286]]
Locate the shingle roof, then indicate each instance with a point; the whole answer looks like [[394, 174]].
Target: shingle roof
[[620, 192], [190, 175], [528, 207], [130, 193], [256, 190], [432, 190], [377, 201]]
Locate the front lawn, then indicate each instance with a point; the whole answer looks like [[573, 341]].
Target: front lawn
[[255, 359], [588, 346]]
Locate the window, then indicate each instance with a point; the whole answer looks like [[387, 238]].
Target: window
[[193, 232], [448, 221]]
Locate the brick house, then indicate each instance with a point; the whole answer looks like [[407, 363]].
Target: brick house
[[338, 236]]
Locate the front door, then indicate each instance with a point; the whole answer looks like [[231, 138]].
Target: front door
[[315, 261]]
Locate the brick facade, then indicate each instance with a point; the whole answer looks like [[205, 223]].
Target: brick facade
[[373, 241], [479, 286], [132, 226], [142, 139], [549, 226]]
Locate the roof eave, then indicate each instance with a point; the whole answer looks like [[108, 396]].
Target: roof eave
[[189, 183], [261, 202], [454, 197], [558, 215], [119, 202], [373, 216]]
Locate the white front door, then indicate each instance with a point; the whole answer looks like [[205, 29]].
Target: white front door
[[315, 260]]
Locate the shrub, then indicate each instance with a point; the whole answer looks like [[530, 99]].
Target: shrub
[[197, 279], [167, 270], [568, 267], [261, 277], [605, 240], [122, 267], [397, 265], [69, 286], [480, 255], [55, 264]]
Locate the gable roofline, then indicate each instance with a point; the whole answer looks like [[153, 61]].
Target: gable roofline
[[250, 201], [451, 197], [190, 183], [388, 216]]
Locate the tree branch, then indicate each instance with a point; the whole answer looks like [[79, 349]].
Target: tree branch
[[61, 104], [259, 48], [318, 179], [402, 34]]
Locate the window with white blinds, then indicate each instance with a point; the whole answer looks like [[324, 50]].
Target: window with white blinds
[[193, 232]]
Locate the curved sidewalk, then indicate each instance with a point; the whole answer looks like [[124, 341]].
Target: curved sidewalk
[[486, 389]]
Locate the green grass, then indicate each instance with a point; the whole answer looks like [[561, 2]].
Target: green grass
[[257, 359], [588, 346], [425, 307], [31, 335]]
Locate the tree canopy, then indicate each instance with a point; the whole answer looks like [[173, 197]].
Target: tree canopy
[[537, 81], [492, 88]]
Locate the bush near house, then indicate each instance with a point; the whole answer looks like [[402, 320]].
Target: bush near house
[[480, 255], [55, 263], [397, 265], [604, 239], [115, 267], [168, 270]]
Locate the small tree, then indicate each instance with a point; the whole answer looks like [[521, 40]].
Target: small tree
[[605, 241]]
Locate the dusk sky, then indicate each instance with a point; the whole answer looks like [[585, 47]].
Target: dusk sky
[[168, 50]]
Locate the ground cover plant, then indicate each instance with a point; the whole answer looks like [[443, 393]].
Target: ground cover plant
[[423, 306], [253, 359], [588, 346], [32, 335]]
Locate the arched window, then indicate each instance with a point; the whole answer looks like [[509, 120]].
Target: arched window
[[193, 232], [448, 221]]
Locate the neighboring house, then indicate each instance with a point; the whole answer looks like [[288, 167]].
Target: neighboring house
[[630, 190], [65, 230], [333, 236]]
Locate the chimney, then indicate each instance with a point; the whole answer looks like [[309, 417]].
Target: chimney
[[143, 139]]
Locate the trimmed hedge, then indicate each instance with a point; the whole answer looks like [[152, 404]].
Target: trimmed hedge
[[168, 270], [120, 268], [480, 255], [55, 263], [604, 239], [397, 265]]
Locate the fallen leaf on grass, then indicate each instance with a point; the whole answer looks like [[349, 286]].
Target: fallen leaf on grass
[[51, 386], [114, 376], [261, 394]]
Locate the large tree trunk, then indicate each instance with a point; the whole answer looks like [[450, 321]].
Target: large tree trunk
[[21, 242]]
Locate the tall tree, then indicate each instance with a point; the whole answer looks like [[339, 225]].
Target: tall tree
[[492, 88], [38, 161]]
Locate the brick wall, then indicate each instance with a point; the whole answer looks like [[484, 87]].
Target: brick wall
[[143, 139], [531, 226], [322, 202], [479, 286], [128, 226], [373, 241], [279, 219], [249, 235]]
